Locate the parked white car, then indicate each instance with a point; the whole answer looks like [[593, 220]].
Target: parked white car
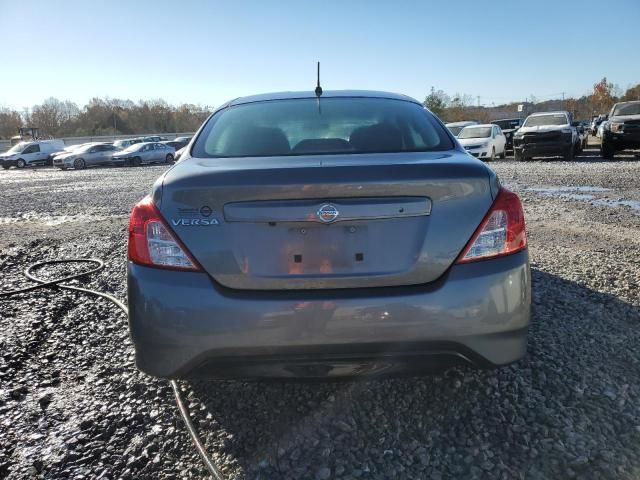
[[32, 153], [483, 141]]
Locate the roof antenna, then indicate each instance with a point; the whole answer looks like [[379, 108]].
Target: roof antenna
[[318, 87]]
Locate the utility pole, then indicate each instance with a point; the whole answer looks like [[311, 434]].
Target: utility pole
[[478, 97], [563, 100]]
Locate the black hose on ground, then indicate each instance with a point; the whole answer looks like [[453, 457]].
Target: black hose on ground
[[99, 265]]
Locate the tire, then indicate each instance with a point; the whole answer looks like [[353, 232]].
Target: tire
[[503, 155], [136, 161], [606, 151], [21, 163], [169, 158], [518, 157], [569, 154], [79, 164], [493, 154]]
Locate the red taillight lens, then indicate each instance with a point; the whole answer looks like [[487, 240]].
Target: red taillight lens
[[153, 244], [501, 232]]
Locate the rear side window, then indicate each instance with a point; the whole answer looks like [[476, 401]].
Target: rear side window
[[307, 126]]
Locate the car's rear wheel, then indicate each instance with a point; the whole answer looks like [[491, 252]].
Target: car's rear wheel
[[569, 154], [21, 163], [169, 158], [517, 156], [136, 162], [79, 164]]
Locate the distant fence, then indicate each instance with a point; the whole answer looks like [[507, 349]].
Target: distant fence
[[6, 144]]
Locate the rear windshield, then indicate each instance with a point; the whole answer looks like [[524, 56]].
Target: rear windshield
[[475, 132], [627, 109], [329, 126], [541, 120]]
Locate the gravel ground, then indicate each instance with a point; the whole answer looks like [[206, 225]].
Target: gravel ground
[[72, 404]]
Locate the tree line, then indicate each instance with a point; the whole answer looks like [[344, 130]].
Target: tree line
[[460, 107], [103, 117], [125, 117]]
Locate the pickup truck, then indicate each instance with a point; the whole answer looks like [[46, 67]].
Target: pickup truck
[[544, 135], [622, 129]]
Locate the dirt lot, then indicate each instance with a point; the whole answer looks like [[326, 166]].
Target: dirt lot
[[72, 404]]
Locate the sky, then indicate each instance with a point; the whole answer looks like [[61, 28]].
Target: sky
[[207, 52]]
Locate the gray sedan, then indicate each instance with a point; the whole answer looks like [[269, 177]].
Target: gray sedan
[[149, 152], [347, 234], [87, 155]]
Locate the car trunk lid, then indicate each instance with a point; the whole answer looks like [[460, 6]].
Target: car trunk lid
[[326, 222]]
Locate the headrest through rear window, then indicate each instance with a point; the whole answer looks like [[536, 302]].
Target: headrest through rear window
[[257, 141], [381, 137]]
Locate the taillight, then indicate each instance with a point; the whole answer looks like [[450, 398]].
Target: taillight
[[153, 244], [501, 232]]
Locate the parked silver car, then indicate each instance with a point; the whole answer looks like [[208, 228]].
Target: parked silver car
[[317, 237], [127, 142], [149, 152], [88, 155], [68, 150]]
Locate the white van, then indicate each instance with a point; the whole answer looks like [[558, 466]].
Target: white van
[[37, 152]]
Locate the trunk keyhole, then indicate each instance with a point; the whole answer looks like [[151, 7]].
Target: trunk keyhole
[[297, 258], [359, 257]]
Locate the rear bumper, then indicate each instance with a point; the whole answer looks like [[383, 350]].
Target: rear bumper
[[183, 324]]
